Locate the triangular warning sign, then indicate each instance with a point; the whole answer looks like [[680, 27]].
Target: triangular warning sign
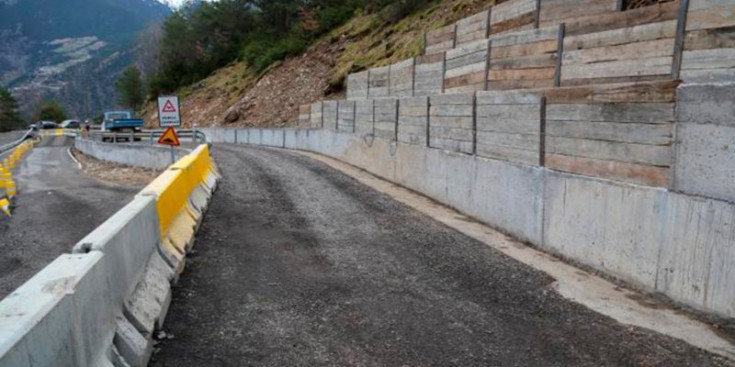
[[169, 137], [168, 107]]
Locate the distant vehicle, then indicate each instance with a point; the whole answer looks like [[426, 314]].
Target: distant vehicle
[[121, 122], [47, 125], [70, 124]]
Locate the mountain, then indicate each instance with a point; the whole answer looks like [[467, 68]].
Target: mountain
[[70, 50]]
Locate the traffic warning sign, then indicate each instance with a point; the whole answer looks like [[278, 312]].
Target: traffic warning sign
[[169, 137], [169, 107], [169, 113]]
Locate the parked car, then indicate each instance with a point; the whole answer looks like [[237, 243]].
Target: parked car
[[46, 125], [70, 124]]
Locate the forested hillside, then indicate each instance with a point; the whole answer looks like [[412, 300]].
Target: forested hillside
[[70, 50], [252, 63]]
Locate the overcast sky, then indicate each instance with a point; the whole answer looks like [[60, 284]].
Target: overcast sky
[[175, 3]]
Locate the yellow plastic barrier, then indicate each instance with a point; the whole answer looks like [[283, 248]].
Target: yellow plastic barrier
[[6, 175], [192, 176], [10, 190], [5, 206]]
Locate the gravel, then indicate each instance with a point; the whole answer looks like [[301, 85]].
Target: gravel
[[299, 264]]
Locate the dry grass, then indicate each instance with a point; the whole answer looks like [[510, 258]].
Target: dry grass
[[319, 73]]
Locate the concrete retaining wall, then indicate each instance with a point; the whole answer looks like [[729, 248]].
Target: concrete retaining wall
[[346, 116], [364, 111], [451, 122], [413, 120], [140, 155], [386, 117], [509, 126], [379, 82], [401, 78], [658, 240]]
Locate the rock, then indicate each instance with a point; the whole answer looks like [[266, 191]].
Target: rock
[[232, 116]]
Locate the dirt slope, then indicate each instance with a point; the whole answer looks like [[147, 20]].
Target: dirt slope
[[235, 96]]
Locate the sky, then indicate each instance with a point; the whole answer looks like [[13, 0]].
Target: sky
[[175, 3]]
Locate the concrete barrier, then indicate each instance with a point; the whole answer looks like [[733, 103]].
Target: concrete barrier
[[140, 155], [60, 317], [657, 240], [101, 305], [181, 194]]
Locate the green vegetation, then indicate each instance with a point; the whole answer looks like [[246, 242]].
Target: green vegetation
[[50, 111], [9, 116], [130, 89], [196, 42]]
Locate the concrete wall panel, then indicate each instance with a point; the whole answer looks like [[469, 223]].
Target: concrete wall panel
[[705, 134], [661, 241]]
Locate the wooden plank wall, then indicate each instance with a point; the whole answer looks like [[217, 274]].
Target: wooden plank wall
[[555, 12], [357, 85], [329, 115], [386, 115], [379, 82], [440, 40], [525, 59], [709, 45], [509, 126], [316, 114], [513, 15], [429, 75], [413, 120], [305, 115], [639, 53], [401, 78], [608, 20], [346, 116], [466, 67], [364, 117], [451, 122], [473, 28], [621, 132]]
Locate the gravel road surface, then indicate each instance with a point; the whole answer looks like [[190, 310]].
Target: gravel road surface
[[297, 264], [56, 206]]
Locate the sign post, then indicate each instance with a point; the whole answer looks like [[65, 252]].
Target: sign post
[[170, 138]]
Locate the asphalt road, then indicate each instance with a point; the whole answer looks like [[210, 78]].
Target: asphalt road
[[297, 264], [56, 206]]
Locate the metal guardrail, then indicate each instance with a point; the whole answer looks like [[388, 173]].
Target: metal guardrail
[[7, 148], [151, 136]]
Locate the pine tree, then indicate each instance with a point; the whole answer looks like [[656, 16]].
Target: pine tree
[[10, 118], [130, 89], [50, 111]]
